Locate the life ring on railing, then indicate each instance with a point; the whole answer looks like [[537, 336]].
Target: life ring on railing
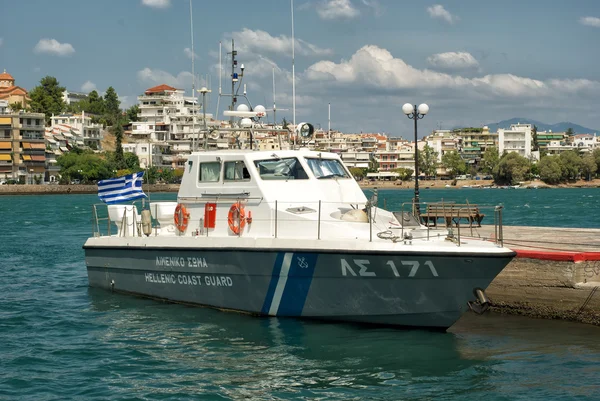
[[182, 217], [236, 218]]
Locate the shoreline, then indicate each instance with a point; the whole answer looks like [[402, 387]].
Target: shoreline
[[475, 184], [46, 189]]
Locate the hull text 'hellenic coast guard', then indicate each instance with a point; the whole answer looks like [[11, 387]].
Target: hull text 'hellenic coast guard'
[[289, 233]]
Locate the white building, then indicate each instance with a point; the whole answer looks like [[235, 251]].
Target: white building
[[170, 122], [73, 97], [516, 139], [442, 142], [3, 106], [356, 158], [91, 134]]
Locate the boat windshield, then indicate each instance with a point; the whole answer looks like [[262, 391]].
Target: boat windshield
[[288, 168], [327, 168]]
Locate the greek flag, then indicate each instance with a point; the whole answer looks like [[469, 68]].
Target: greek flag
[[121, 189]]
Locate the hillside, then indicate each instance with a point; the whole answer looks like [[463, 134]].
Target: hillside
[[109, 141], [558, 127]]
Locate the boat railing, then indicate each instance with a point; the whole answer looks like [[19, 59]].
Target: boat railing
[[126, 218], [461, 220]]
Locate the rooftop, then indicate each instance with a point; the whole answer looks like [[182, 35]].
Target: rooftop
[[159, 89], [6, 76]]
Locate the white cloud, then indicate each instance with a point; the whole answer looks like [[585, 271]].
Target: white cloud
[[376, 68], [375, 6], [453, 61], [337, 9], [127, 101], [590, 21], [189, 54], [54, 47], [88, 86], [150, 76], [157, 3], [260, 41], [438, 11]]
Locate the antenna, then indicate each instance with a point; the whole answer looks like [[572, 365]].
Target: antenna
[[293, 72], [329, 122], [220, 73], [274, 107], [234, 78], [193, 76]]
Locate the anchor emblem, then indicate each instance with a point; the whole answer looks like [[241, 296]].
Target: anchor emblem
[[302, 262]]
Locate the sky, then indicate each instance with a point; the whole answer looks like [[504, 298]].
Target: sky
[[473, 62]]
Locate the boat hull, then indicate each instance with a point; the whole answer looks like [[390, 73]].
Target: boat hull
[[400, 288]]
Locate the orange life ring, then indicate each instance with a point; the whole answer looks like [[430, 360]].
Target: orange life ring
[[182, 217], [236, 218]]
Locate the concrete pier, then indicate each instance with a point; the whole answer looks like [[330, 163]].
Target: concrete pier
[[556, 274]]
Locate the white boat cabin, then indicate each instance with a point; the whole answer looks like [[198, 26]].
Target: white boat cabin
[[284, 193]]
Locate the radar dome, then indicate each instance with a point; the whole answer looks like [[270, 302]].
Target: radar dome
[[243, 107], [246, 123], [260, 110]]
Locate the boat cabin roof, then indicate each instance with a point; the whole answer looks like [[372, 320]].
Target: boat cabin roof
[[271, 175]]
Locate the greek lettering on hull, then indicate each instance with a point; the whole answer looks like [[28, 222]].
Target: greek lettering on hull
[[362, 268]]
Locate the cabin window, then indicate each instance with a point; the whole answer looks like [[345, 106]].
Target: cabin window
[[236, 171], [281, 169], [210, 172], [327, 168]]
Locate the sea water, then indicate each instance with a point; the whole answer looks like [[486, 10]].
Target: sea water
[[61, 340]]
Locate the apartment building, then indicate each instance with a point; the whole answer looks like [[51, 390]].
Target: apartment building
[[170, 122], [22, 147], [475, 141], [544, 138], [73, 97], [82, 126], [517, 139]]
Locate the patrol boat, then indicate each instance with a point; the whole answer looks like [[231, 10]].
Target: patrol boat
[[289, 233]]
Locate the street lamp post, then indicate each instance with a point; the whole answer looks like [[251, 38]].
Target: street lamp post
[[204, 91], [416, 113]]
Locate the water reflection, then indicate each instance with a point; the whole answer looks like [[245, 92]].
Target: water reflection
[[268, 353]]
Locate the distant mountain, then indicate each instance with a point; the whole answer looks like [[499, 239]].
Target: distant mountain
[[558, 127]]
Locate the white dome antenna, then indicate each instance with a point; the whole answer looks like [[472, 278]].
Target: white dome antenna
[[260, 111]]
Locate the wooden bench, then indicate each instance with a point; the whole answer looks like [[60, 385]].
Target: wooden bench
[[452, 213]]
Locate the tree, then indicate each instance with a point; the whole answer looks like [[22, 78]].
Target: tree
[[588, 166], [111, 106], [83, 165], [16, 106], [404, 174], [571, 164], [284, 123], [119, 158], [512, 168], [550, 170], [490, 160], [132, 113], [373, 165], [453, 163], [428, 161], [357, 172], [47, 97], [535, 145], [596, 155]]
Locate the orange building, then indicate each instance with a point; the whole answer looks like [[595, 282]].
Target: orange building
[[10, 92]]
